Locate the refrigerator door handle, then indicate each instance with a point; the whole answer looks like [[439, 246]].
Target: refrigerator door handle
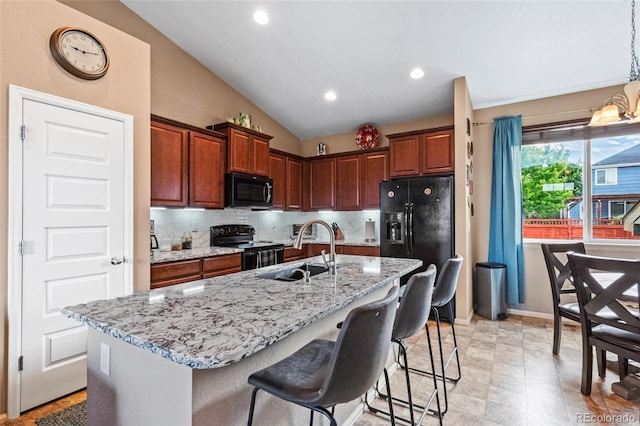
[[410, 229], [405, 225]]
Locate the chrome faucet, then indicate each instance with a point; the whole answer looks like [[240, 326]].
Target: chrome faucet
[[331, 263]]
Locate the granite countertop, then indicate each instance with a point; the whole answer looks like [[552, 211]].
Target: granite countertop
[[214, 322], [198, 253]]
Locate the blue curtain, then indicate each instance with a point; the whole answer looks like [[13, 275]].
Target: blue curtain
[[505, 233]]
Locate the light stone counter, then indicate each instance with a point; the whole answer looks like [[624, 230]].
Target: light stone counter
[[196, 253], [182, 354]]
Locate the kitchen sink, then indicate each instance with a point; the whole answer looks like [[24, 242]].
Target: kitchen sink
[[295, 273]]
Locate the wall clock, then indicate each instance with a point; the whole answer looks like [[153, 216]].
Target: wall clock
[[79, 52]]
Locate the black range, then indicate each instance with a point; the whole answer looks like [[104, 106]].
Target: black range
[[256, 253]]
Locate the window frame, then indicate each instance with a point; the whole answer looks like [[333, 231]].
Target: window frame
[[578, 130]]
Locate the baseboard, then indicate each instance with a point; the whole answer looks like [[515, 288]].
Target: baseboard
[[3, 417], [530, 314]]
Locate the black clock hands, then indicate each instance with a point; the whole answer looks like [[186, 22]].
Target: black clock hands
[[84, 51]]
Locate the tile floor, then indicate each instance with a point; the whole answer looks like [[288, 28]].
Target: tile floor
[[509, 377]]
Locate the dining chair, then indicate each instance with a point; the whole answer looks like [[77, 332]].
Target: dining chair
[[559, 276], [604, 284], [324, 373], [411, 316]]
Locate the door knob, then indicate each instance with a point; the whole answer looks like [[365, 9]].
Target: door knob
[[116, 260]]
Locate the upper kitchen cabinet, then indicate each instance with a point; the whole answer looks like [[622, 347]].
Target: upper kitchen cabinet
[[169, 165], [349, 182], [206, 170], [421, 152], [187, 165], [321, 173], [278, 172], [286, 172], [375, 168], [293, 194], [247, 150]]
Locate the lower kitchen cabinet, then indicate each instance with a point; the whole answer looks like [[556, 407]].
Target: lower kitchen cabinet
[[316, 249], [182, 271], [221, 265], [361, 250], [291, 253], [170, 273]]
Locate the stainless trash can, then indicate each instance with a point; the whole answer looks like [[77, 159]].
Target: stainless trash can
[[490, 290]]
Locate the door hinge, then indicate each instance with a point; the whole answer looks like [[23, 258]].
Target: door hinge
[[20, 363], [21, 247], [23, 132]]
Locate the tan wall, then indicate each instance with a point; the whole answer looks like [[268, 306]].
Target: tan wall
[[345, 142], [181, 88], [25, 60], [463, 198]]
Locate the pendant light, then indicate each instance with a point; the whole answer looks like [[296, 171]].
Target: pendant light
[[626, 104]]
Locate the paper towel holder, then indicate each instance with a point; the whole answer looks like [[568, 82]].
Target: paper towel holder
[[369, 231]]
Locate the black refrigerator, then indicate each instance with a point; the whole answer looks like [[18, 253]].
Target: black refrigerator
[[416, 221]]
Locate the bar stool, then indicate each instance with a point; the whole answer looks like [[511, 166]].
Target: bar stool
[[443, 292], [412, 315], [324, 373]]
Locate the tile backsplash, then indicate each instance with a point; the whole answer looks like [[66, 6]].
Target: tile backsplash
[[270, 225]]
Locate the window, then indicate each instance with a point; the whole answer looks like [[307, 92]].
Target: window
[[579, 182], [606, 176]]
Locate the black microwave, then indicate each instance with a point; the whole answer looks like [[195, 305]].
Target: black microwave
[[248, 191]]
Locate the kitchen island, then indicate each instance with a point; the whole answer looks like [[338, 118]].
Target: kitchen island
[[182, 355]]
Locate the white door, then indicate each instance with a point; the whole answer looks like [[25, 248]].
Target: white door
[[73, 238]]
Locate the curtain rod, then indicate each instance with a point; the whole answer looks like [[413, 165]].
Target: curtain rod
[[547, 115]]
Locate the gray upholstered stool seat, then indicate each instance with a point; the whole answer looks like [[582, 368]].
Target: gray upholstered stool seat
[[325, 373]]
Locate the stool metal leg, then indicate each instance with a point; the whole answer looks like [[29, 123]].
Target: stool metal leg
[[253, 403], [402, 352]]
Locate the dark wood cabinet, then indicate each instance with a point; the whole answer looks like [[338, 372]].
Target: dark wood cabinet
[[247, 150], [169, 165], [349, 182], [171, 273], [293, 195], [278, 172], [322, 183], [421, 152], [360, 250], [286, 172], [221, 265], [404, 155], [315, 249], [187, 165], [206, 171], [436, 152], [182, 271], [291, 254], [375, 168]]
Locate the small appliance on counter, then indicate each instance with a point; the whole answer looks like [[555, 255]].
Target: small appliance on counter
[[153, 243], [369, 231], [256, 253], [310, 233]]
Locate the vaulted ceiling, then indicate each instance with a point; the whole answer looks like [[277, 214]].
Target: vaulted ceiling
[[509, 51]]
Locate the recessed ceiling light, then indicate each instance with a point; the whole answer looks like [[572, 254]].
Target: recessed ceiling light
[[261, 17], [330, 95], [416, 73]]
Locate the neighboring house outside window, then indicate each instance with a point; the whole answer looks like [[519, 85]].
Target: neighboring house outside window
[[555, 158]]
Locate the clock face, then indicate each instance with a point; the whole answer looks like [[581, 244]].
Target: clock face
[[79, 52]]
